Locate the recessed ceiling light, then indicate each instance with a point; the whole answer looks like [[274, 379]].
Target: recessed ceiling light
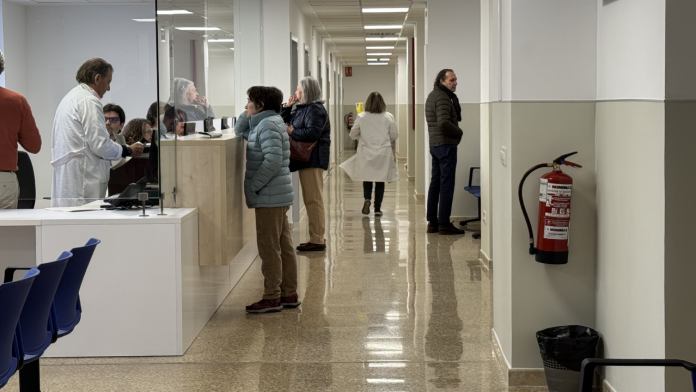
[[197, 28], [380, 47], [379, 54], [144, 20], [173, 12], [377, 63], [371, 59], [232, 48], [221, 40], [368, 10], [383, 39], [382, 27]]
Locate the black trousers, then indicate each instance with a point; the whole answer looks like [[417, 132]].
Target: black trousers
[[379, 193]]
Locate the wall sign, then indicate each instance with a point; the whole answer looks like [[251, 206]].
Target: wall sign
[[348, 72]]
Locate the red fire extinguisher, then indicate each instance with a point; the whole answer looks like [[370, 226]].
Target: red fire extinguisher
[[349, 120], [554, 212]]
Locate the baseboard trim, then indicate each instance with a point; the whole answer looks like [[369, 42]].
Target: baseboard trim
[[485, 260], [606, 387], [516, 377]]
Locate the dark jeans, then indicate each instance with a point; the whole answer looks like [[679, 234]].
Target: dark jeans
[[441, 189], [379, 193]]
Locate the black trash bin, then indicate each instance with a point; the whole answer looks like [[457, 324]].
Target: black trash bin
[[563, 349]]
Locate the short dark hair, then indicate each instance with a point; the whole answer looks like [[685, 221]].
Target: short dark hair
[[375, 103], [112, 107], [151, 116], [91, 68], [269, 98], [441, 76], [133, 132], [180, 115]]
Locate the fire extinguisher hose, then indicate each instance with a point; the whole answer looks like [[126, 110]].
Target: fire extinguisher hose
[[532, 250]]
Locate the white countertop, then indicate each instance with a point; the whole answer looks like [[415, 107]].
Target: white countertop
[[42, 217]]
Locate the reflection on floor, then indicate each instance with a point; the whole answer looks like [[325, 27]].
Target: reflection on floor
[[386, 308]]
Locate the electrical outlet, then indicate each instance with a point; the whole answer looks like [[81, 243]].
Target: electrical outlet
[[484, 216], [503, 156]]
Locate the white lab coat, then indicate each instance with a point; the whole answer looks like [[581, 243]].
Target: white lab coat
[[374, 160], [81, 149]]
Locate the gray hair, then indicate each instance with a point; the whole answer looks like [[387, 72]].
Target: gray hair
[[179, 88], [311, 90], [2, 63]]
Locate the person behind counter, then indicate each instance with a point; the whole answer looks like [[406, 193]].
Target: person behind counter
[[137, 130], [115, 120], [17, 125], [81, 149], [268, 190], [185, 97]]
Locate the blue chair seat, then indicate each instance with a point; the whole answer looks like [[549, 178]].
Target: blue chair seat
[[474, 190]]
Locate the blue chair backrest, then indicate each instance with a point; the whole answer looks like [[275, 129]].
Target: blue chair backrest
[[12, 298], [36, 326], [67, 301]]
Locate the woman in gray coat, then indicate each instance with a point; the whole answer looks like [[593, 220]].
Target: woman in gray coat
[[268, 190]]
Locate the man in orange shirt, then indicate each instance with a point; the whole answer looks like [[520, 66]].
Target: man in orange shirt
[[17, 125]]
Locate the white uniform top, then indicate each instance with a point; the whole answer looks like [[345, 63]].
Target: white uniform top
[[374, 160], [81, 149]]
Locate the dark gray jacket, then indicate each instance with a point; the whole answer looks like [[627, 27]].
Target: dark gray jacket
[[442, 119]]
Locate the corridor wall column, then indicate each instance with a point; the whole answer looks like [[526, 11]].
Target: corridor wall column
[[548, 78]]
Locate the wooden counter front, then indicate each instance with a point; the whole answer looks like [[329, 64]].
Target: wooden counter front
[[210, 177]]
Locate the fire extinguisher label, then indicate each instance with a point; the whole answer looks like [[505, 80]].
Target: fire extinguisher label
[[542, 190], [560, 189], [555, 233]]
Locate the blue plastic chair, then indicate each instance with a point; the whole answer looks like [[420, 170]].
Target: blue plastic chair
[[35, 324], [474, 190], [12, 298], [67, 310]]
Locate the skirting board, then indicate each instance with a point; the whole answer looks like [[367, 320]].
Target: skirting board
[[485, 260], [516, 377]]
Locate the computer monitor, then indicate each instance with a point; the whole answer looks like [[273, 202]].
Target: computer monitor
[[189, 128]]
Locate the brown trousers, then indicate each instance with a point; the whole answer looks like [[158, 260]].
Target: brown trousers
[[312, 183], [278, 262]]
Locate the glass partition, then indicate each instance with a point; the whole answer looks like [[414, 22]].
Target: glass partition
[[196, 82]]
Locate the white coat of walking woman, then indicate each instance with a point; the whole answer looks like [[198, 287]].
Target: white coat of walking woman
[[374, 161]]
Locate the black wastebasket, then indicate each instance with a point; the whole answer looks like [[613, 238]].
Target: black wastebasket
[[563, 349]]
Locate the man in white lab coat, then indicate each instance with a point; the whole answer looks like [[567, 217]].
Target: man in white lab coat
[[81, 148]]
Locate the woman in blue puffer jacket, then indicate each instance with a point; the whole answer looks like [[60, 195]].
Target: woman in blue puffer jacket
[[268, 190], [307, 121]]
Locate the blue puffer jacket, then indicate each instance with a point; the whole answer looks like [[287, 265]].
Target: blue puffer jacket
[[308, 122], [267, 181]]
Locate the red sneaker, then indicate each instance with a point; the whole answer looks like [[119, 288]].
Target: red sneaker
[[265, 306], [291, 301]]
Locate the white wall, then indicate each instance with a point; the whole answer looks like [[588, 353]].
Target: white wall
[[58, 45], [631, 49], [554, 50], [367, 79], [221, 85], [13, 19]]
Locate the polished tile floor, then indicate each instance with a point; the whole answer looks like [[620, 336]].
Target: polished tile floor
[[386, 308]]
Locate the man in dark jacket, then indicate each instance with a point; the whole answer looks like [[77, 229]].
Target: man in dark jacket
[[443, 113]]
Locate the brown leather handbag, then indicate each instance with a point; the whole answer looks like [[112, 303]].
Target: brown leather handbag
[[302, 151]]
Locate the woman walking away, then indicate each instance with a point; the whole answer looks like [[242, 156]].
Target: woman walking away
[[268, 190], [308, 122], [374, 160]]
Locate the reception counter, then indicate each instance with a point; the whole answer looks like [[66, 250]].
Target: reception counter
[[210, 177]]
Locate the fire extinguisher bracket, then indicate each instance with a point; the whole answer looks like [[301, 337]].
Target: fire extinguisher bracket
[[554, 212]]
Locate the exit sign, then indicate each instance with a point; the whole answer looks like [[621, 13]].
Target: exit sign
[[348, 72]]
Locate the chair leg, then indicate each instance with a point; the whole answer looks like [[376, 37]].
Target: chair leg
[[30, 377], [477, 219]]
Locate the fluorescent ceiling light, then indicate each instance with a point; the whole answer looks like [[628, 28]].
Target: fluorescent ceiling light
[[383, 39], [379, 54], [369, 10], [371, 59], [173, 12], [144, 20], [382, 27], [383, 59], [197, 28], [385, 381], [377, 63], [221, 40], [232, 48], [380, 47]]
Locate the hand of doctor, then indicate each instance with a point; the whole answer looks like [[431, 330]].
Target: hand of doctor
[[136, 149]]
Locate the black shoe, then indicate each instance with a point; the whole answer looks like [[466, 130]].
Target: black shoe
[[378, 212], [450, 229], [366, 207], [433, 227], [310, 247]]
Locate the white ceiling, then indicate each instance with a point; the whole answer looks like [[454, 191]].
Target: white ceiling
[[341, 23]]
